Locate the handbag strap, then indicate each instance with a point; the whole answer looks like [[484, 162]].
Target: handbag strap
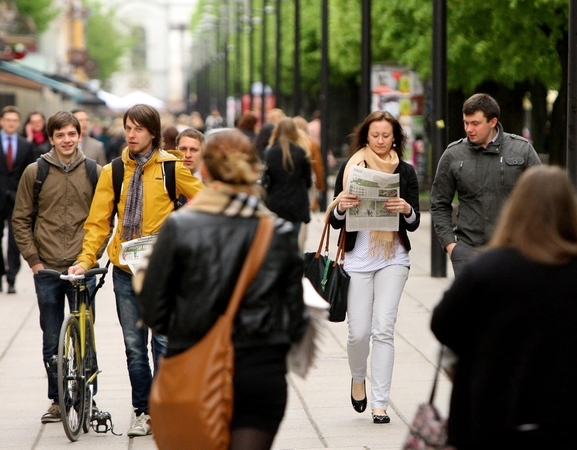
[[324, 239], [252, 263], [340, 258], [437, 370]]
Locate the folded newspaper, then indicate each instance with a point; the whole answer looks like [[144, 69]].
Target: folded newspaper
[[373, 188], [133, 252]]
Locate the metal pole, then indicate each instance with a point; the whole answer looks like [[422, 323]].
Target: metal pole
[[297, 63], [251, 54], [238, 49], [572, 95], [226, 52], [439, 138], [278, 59], [324, 97], [365, 100], [263, 64]]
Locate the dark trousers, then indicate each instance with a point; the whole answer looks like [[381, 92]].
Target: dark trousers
[[51, 294], [460, 256], [13, 254]]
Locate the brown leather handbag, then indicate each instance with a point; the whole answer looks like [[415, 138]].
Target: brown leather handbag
[[191, 400]]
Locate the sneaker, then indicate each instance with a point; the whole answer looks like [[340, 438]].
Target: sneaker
[[53, 415], [141, 426]]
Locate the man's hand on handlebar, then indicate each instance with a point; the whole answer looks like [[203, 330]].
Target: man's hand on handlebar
[[76, 270]]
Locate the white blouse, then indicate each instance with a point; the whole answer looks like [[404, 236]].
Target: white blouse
[[359, 260]]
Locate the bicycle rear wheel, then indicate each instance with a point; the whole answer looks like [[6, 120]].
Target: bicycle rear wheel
[[71, 381]]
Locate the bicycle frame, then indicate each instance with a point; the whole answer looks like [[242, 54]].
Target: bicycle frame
[[77, 365]]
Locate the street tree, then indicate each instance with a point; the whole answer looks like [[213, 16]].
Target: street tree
[[105, 44]]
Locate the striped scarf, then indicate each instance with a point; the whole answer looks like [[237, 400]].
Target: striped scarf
[[230, 200], [133, 209]]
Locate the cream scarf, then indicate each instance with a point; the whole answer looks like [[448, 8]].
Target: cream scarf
[[381, 243]]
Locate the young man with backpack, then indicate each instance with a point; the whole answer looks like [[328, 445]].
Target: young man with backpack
[[142, 205], [52, 203]]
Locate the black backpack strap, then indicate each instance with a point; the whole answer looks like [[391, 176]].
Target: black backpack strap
[[43, 168], [117, 179], [91, 172], [169, 172]]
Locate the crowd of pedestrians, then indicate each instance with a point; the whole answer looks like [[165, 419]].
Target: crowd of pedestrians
[[525, 215]]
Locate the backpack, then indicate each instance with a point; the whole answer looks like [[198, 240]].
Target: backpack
[[44, 168], [168, 173]]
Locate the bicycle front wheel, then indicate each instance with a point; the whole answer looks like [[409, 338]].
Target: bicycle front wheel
[[90, 367], [71, 381]]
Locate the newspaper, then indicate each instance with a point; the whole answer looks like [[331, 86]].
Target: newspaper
[[373, 188], [134, 251]]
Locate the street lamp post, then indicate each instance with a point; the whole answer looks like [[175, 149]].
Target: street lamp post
[[225, 35], [365, 103], [278, 50], [239, 29], [324, 96], [572, 94], [297, 64], [263, 63], [439, 113]]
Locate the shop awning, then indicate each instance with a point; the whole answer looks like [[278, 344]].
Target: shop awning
[[79, 95]]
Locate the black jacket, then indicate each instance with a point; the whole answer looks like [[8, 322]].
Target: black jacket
[[511, 321], [192, 273], [9, 179], [409, 190], [287, 193]]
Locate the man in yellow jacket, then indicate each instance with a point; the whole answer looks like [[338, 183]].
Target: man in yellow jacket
[[143, 206]]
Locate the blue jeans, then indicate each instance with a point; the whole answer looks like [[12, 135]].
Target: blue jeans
[[135, 341], [51, 293]]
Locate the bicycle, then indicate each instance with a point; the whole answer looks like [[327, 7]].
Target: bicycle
[[77, 366]]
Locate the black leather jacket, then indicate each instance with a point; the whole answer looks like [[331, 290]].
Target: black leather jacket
[[193, 270]]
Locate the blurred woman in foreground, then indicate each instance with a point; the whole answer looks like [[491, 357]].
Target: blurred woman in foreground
[[511, 317], [194, 268]]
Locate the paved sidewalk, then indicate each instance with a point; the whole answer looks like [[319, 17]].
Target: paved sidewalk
[[319, 414]]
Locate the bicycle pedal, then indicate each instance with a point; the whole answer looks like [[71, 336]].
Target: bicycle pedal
[[102, 423]]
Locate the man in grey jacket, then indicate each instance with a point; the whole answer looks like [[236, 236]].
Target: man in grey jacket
[[482, 169]]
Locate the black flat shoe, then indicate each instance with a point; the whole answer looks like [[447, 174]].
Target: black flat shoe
[[378, 418], [359, 405]]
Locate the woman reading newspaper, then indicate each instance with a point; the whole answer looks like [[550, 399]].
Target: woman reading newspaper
[[377, 260]]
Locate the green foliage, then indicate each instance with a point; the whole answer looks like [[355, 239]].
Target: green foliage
[[42, 12], [505, 41], [104, 42]]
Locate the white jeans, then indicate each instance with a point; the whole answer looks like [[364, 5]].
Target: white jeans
[[373, 302]]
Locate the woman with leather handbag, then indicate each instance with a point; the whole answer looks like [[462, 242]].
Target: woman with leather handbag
[[377, 262], [192, 282]]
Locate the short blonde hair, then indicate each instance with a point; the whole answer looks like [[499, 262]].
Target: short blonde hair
[[230, 157]]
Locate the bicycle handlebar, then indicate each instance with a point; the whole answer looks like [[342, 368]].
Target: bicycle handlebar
[[73, 277]]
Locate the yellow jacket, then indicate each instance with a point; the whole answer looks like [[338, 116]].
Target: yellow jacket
[[157, 204]]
